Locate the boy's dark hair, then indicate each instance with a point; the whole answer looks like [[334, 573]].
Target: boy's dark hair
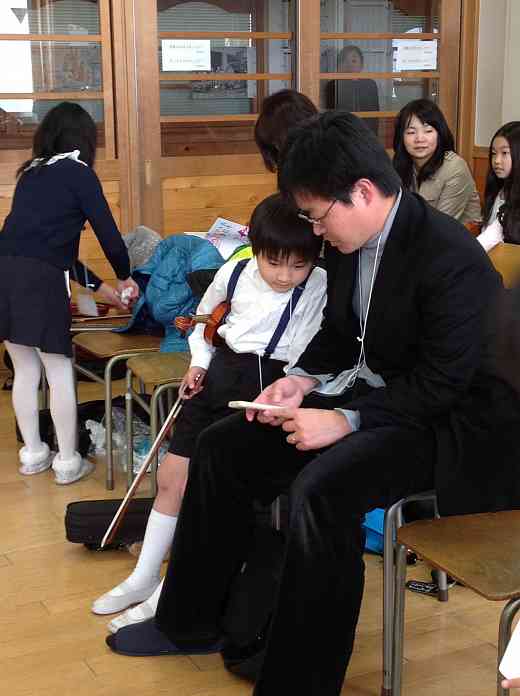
[[509, 213], [328, 154], [65, 128], [428, 113], [280, 112], [276, 231]]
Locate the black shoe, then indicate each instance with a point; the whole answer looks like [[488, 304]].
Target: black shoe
[[145, 640]]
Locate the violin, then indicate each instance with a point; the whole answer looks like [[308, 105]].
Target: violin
[[213, 321]]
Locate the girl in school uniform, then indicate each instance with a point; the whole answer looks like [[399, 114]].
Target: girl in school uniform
[[276, 308], [502, 193], [56, 193]]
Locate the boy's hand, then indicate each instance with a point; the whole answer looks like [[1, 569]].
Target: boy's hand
[[511, 683], [192, 382]]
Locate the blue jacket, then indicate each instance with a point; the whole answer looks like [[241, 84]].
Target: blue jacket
[[167, 294]]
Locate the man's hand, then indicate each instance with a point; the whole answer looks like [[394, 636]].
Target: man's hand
[[287, 391], [313, 428], [192, 381]]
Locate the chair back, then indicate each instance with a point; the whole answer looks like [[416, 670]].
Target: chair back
[[506, 259]]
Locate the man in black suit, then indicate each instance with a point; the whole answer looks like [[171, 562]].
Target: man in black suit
[[397, 393]]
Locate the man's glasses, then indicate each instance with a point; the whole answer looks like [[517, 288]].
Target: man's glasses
[[317, 221]]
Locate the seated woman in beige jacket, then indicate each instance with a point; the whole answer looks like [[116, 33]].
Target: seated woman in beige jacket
[[427, 163]]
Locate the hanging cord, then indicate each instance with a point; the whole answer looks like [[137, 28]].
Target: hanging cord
[[363, 322]]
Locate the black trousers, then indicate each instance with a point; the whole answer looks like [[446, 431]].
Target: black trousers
[[314, 622]]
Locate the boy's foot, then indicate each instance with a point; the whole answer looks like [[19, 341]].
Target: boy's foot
[[143, 611], [123, 596], [35, 462], [145, 640], [134, 615]]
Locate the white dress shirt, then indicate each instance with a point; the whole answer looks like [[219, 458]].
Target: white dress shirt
[[255, 312]]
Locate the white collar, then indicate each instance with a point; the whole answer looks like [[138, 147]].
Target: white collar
[[74, 155]]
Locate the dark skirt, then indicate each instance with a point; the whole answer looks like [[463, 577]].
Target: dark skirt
[[230, 377], [34, 305]]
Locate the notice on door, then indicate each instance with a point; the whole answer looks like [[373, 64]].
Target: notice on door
[[186, 55], [414, 55]]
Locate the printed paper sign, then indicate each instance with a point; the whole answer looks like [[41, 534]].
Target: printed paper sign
[[414, 55], [186, 55]]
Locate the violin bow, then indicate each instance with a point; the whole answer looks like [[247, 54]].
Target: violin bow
[[118, 517]]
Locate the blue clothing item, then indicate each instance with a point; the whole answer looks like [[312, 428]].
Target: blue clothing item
[[50, 207], [167, 294]]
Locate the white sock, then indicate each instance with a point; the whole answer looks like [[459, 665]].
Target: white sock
[[157, 541], [27, 372], [139, 613]]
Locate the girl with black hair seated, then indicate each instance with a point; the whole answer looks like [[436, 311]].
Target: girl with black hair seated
[[502, 193], [427, 163]]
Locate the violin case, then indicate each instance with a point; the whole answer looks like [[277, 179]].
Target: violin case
[[86, 522]]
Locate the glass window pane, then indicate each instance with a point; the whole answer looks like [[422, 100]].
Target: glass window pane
[[367, 95], [227, 15], [398, 16], [225, 55], [211, 97], [50, 66], [391, 55], [50, 17], [19, 119]]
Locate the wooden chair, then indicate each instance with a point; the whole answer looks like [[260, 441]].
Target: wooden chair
[[482, 551], [158, 372], [506, 259], [113, 347]]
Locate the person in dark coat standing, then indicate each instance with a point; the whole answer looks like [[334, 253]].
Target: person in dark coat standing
[[397, 393]]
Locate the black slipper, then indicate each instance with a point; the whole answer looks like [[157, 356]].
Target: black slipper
[[145, 640]]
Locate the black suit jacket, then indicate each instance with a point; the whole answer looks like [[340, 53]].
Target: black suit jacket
[[430, 337]]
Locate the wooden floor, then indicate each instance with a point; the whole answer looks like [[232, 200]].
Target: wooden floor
[[50, 643]]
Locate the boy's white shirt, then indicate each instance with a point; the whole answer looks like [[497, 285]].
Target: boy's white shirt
[[255, 312]]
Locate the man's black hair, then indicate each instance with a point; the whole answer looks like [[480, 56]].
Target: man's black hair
[[328, 154], [276, 231]]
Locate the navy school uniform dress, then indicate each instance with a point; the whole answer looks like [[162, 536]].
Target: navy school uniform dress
[[39, 243]]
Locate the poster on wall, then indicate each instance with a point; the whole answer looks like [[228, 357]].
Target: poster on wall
[[186, 55], [414, 55]]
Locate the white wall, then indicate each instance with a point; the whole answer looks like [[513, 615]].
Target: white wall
[[490, 68], [511, 84]]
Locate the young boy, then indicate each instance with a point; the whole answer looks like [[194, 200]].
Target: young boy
[[276, 308]]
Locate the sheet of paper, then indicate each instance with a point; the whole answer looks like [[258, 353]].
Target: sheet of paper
[[87, 304], [227, 236]]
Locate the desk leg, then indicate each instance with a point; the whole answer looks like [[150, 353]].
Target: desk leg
[[129, 411]]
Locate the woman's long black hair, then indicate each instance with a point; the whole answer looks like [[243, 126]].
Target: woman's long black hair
[[427, 112], [509, 213], [65, 128]]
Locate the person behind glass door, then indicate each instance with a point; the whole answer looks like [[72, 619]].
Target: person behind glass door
[[502, 192], [427, 163], [353, 95], [56, 193]]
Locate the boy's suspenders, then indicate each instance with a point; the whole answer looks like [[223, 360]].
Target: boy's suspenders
[[287, 312]]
